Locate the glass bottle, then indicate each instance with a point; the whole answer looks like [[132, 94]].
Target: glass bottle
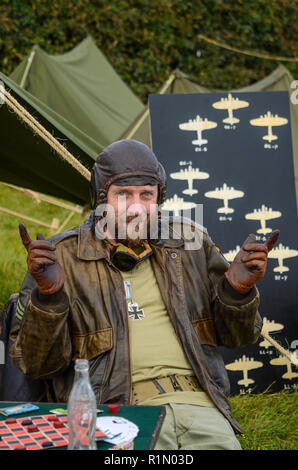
[[81, 410]]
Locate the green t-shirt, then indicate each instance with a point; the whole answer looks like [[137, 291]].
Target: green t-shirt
[[155, 348]]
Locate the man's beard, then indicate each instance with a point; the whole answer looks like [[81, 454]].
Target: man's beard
[[130, 230], [133, 231]]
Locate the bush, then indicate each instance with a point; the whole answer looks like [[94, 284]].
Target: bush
[[146, 39]]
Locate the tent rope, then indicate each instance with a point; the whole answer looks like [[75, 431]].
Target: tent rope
[[253, 54], [43, 133]]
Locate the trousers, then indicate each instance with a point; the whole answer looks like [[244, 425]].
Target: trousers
[[195, 427]]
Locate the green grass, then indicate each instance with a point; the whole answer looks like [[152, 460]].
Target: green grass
[[13, 255], [269, 421]]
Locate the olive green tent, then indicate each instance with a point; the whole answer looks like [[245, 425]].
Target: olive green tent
[[28, 161], [280, 79], [82, 87], [79, 98]]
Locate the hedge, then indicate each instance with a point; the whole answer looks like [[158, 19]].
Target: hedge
[[146, 39]]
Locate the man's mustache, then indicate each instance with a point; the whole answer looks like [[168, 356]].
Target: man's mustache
[[131, 218]]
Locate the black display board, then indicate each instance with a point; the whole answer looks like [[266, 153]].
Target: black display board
[[232, 152]]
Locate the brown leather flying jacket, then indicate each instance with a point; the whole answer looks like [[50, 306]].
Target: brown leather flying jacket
[[88, 318]]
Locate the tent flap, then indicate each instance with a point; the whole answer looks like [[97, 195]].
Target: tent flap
[[82, 87], [28, 161], [81, 100]]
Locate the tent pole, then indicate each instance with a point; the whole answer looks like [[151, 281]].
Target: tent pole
[[167, 84], [28, 66], [42, 197], [138, 124], [65, 222], [146, 113], [22, 217]]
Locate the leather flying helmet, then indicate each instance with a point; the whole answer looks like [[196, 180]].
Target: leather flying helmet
[[126, 163]]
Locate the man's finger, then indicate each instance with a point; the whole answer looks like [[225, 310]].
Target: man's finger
[[36, 253], [256, 263], [40, 236], [272, 240], [24, 236], [262, 255], [37, 263], [255, 247], [42, 245], [250, 239]]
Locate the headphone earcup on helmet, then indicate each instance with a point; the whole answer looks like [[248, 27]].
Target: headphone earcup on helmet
[[163, 193], [97, 195]]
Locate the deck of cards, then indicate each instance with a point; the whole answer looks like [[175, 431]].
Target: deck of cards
[[119, 431]]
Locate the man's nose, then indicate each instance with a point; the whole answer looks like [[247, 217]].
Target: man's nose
[[136, 207]]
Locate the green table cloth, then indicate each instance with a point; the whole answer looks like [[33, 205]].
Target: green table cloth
[[147, 418]]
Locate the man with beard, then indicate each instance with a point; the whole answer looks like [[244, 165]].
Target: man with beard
[[147, 310]]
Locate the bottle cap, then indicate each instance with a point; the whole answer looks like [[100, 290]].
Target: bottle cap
[[81, 364], [113, 408]]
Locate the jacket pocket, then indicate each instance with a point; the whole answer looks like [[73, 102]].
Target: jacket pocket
[[92, 344], [205, 331]]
